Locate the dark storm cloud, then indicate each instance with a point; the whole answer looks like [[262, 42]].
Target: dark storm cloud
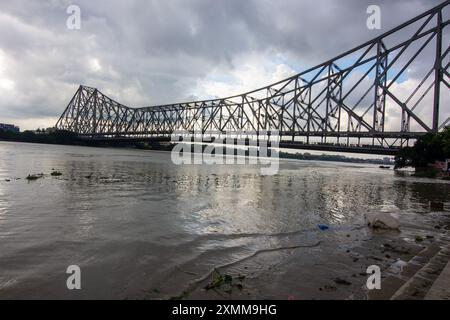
[[148, 52]]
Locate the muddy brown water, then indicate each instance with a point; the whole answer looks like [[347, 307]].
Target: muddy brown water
[[141, 227]]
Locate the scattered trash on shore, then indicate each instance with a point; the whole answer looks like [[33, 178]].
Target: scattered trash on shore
[[323, 227], [397, 266], [382, 220]]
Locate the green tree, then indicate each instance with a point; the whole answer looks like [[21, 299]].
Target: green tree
[[427, 149]]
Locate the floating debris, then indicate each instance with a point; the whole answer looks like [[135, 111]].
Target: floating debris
[[323, 227], [31, 177], [7, 180], [342, 281], [56, 173]]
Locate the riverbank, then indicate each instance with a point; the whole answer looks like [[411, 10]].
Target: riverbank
[[297, 273], [69, 138], [56, 137]]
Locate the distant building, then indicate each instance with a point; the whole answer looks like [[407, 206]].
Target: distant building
[[9, 127], [45, 131], [50, 130]]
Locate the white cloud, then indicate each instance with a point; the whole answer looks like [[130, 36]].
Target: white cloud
[[94, 65], [249, 72], [154, 52]]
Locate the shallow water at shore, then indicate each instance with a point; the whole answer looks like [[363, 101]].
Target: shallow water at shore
[[142, 227]]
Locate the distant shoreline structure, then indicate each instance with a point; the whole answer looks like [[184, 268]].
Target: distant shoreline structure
[[69, 138], [9, 127]]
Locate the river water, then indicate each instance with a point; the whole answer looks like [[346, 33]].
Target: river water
[[139, 226]]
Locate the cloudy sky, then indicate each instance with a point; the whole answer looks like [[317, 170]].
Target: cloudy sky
[[150, 52]]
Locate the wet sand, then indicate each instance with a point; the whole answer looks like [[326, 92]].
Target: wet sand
[[315, 271]]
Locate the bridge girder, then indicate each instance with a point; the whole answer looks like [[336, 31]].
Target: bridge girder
[[353, 95]]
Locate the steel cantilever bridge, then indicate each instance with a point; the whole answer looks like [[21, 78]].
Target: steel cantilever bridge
[[374, 98]]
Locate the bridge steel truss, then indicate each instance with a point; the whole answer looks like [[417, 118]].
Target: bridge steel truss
[[363, 98]]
